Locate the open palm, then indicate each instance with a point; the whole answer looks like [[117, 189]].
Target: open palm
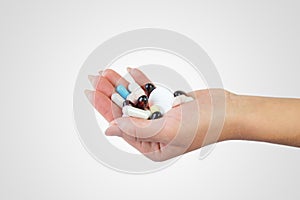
[[179, 131]]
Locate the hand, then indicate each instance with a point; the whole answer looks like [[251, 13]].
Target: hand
[[180, 130]]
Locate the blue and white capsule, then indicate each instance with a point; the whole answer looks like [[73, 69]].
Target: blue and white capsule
[[122, 91]]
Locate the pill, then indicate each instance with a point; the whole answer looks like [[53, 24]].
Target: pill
[[127, 103], [179, 92], [154, 109], [133, 86], [136, 92], [149, 87], [142, 102], [161, 97], [132, 98], [188, 99], [181, 99], [122, 91], [117, 99], [135, 112], [139, 92], [155, 115], [178, 100]]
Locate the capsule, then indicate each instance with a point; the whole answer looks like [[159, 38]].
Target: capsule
[[139, 92], [163, 98], [122, 91], [188, 99], [149, 87], [136, 89], [135, 112], [142, 102], [155, 110], [127, 103], [155, 115], [136, 93], [133, 86], [132, 98], [117, 99], [179, 92], [181, 99]]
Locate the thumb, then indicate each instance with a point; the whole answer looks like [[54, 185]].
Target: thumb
[[141, 128]]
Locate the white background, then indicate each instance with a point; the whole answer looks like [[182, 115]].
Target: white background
[[255, 46]]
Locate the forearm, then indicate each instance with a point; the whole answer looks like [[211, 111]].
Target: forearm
[[275, 120]]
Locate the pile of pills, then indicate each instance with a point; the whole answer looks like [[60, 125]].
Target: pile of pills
[[148, 101]]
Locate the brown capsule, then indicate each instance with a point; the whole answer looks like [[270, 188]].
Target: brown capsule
[[142, 102]]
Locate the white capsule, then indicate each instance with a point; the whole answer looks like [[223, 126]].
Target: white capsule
[[135, 112], [132, 98], [189, 99], [163, 98], [139, 92], [132, 86], [178, 100], [117, 99], [181, 99], [155, 108], [136, 92]]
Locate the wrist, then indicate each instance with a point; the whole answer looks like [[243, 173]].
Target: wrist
[[233, 124], [245, 116]]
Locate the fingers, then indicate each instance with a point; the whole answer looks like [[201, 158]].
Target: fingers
[[116, 131], [144, 147], [105, 87], [114, 78], [107, 82], [103, 105], [110, 79], [101, 84], [143, 130], [139, 77], [113, 131], [149, 149]]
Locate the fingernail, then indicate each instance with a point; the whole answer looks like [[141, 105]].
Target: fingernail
[[104, 72], [93, 80], [90, 95], [100, 72]]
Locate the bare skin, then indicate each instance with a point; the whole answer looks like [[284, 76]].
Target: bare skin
[[185, 128]]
